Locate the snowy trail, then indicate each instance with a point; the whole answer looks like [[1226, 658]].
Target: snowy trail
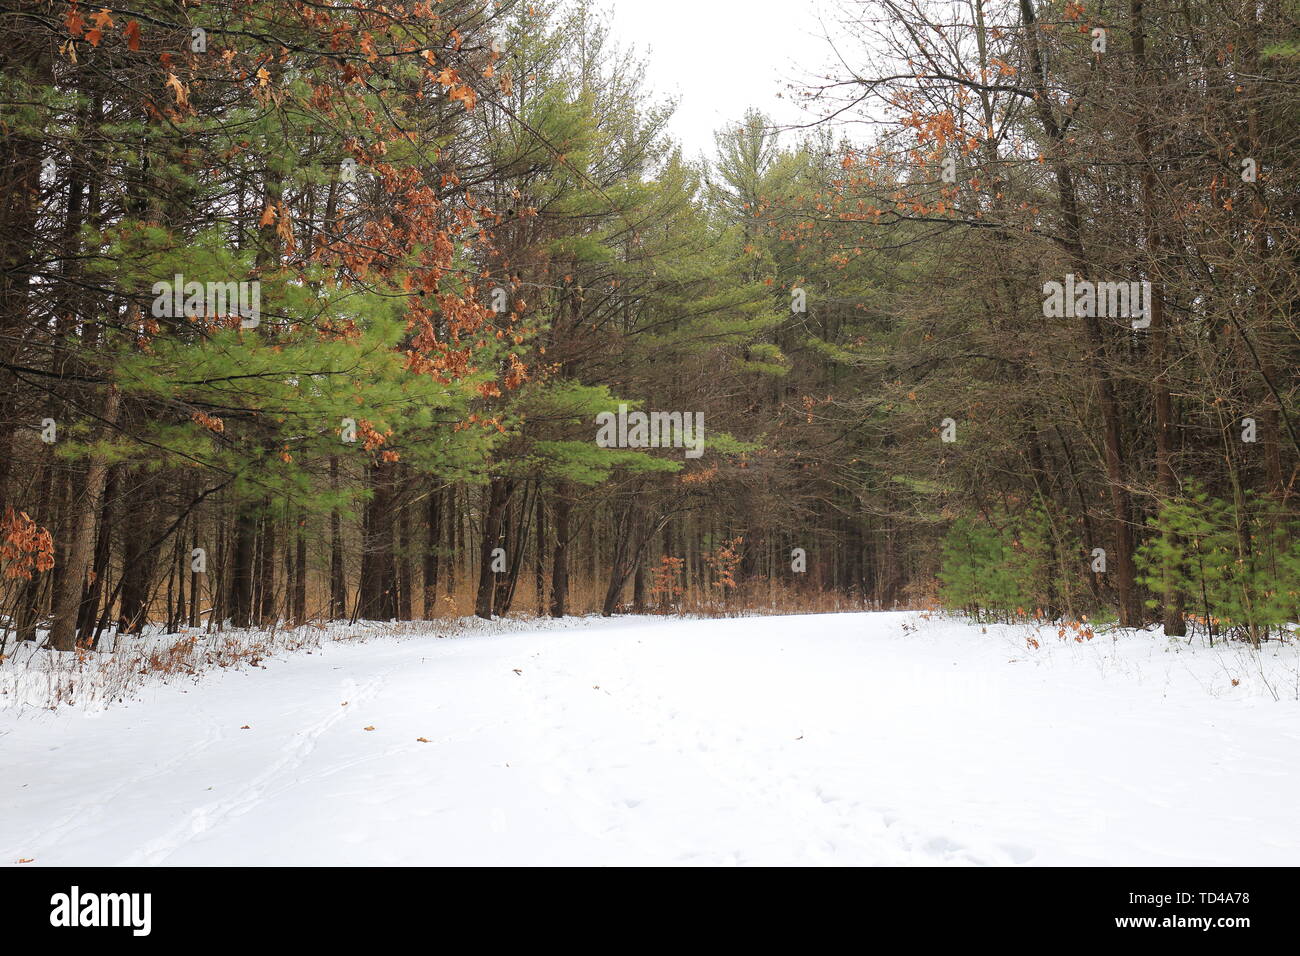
[[821, 740]]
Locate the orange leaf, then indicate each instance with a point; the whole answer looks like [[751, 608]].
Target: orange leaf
[[177, 88]]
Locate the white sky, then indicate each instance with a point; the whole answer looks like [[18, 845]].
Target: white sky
[[718, 57]]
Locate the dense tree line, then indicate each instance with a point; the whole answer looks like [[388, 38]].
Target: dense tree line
[[310, 312], [1138, 464]]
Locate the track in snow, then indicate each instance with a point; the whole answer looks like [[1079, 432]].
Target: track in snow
[[821, 739]]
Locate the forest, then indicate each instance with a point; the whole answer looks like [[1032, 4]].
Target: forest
[[313, 311]]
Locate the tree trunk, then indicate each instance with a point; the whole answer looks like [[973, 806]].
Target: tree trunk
[[67, 602], [1166, 481], [268, 606], [539, 569], [498, 494], [338, 586], [560, 556], [1121, 512], [300, 574], [405, 606], [196, 584], [378, 599], [432, 552], [242, 570]]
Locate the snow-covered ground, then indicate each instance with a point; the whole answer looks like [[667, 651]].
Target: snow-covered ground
[[852, 738]]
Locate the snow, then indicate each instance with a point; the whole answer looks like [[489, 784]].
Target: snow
[[873, 738]]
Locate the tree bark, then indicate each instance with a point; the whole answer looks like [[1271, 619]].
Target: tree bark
[[498, 494], [242, 571], [560, 555], [338, 585], [67, 602], [432, 552]]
